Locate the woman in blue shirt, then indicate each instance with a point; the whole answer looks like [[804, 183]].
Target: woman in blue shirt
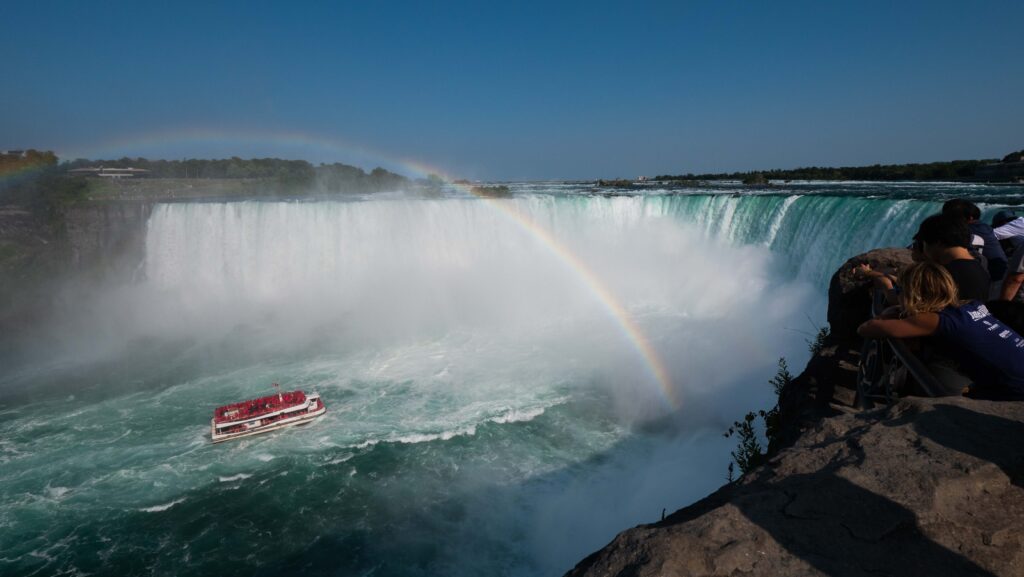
[[988, 351]]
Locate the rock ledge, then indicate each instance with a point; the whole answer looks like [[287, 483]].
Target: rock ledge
[[926, 487]]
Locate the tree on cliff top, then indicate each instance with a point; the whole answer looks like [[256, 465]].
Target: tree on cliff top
[[26, 160], [33, 179], [1014, 157]]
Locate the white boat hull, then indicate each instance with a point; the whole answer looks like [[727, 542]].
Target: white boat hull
[[283, 423]]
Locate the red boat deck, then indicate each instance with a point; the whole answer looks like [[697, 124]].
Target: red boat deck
[[256, 407]]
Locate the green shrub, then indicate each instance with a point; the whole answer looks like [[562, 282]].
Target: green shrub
[[749, 453], [819, 341]]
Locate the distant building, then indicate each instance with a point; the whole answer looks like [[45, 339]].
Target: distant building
[[14, 152], [103, 172]]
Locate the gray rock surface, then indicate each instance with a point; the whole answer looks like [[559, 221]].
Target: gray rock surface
[[888, 260], [926, 487], [849, 298], [108, 234]]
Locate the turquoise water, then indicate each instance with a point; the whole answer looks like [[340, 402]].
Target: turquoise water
[[487, 411]]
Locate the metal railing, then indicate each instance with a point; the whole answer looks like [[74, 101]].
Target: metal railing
[[926, 381], [881, 361]]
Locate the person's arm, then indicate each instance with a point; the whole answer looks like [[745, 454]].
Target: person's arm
[[1011, 284], [919, 325], [892, 296], [1013, 228], [880, 280], [993, 250], [883, 282], [892, 312]]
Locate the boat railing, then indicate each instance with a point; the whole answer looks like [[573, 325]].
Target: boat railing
[[243, 419]]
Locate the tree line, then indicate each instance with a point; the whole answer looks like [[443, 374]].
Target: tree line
[[335, 177], [11, 162], [934, 171], [37, 179]]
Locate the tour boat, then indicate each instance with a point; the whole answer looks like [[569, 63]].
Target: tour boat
[[265, 414]]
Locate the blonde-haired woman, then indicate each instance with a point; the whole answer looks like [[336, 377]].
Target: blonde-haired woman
[[988, 352]]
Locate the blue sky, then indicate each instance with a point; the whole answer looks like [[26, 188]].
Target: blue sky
[[518, 90]]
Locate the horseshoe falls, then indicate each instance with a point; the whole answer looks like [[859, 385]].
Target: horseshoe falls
[[508, 382]]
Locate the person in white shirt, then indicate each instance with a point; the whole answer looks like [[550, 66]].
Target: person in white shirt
[[1011, 229]]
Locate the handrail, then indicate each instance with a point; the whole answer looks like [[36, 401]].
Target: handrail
[[924, 377]]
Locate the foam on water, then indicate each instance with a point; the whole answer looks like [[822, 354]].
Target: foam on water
[[163, 507], [231, 478]]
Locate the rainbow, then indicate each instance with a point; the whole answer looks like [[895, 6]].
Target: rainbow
[[590, 279], [14, 173], [630, 328], [302, 143], [10, 174]]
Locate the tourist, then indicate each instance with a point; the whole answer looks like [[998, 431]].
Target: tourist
[[990, 249], [1014, 281], [1009, 229], [944, 240], [986, 351]]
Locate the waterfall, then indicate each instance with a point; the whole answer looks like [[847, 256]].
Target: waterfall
[[814, 234], [267, 249]]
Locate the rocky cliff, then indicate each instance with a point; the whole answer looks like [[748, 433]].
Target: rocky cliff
[[110, 235], [72, 237], [48, 258], [925, 487]]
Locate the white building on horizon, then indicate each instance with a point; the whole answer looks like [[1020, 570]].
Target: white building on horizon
[[103, 172]]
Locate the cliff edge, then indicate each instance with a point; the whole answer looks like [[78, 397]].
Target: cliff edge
[[925, 487]]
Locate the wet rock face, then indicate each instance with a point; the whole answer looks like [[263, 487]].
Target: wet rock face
[[81, 236], [110, 235], [927, 487]]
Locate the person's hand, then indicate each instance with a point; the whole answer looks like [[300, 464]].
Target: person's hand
[[862, 270]]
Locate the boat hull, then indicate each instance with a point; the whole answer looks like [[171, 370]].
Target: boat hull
[[283, 423]]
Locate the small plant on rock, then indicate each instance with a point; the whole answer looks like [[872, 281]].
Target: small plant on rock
[[818, 343], [749, 454]]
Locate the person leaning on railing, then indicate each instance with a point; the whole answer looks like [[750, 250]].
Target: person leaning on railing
[[986, 350]]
